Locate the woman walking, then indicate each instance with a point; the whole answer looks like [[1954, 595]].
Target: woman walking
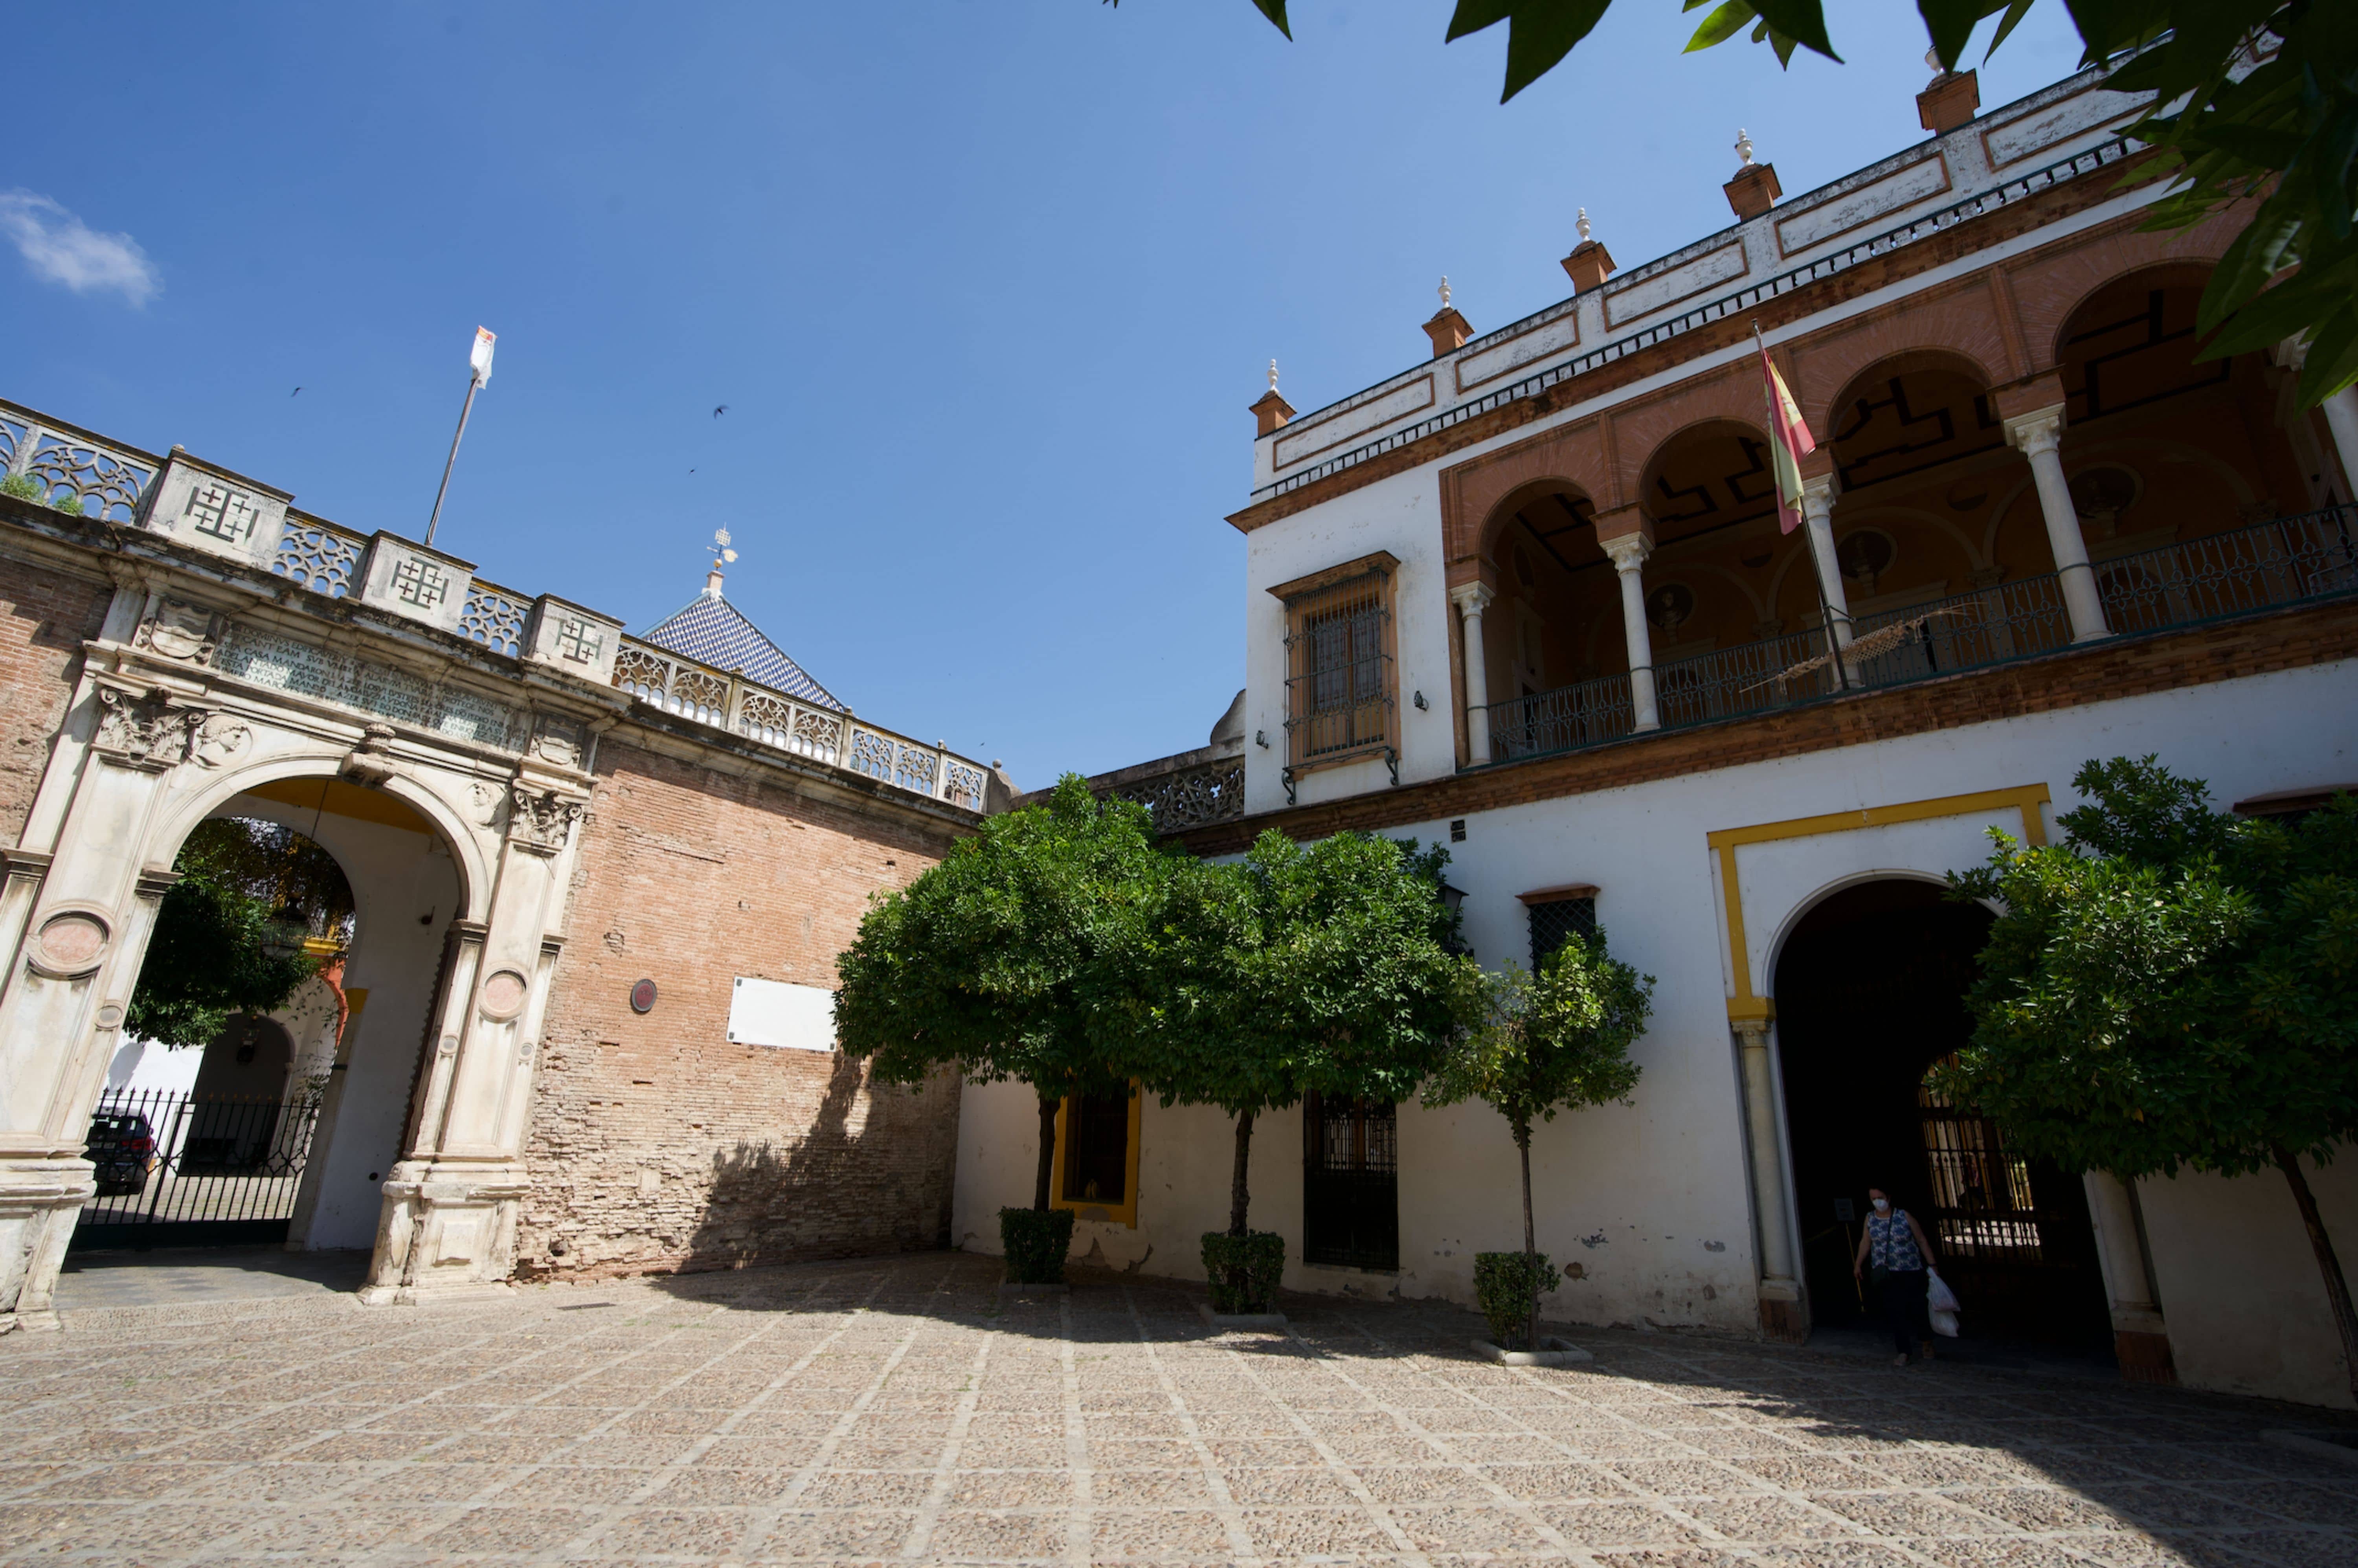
[[1902, 1258]]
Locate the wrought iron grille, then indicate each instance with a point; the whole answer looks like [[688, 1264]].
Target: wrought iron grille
[[1587, 714], [1748, 678], [1339, 695], [1556, 920], [179, 1168], [2272, 564], [1350, 1184]]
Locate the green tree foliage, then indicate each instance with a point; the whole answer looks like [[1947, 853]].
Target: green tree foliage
[[2172, 986], [2280, 133], [1331, 969], [1538, 1044], [1006, 959], [229, 934]]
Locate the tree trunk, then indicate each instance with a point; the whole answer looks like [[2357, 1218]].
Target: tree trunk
[[1048, 1104], [1238, 1196], [2337, 1288], [1531, 1244]]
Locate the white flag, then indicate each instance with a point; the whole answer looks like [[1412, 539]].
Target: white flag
[[481, 356]]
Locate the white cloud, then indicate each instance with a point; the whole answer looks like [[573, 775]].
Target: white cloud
[[61, 248]]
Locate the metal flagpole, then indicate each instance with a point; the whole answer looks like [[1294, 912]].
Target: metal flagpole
[[478, 371], [464, 409], [1808, 535]]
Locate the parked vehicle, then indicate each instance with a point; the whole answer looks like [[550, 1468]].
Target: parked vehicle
[[123, 1146]]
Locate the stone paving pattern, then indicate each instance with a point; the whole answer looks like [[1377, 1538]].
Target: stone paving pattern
[[899, 1409]]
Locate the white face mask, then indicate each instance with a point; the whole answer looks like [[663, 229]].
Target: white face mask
[[1883, 1206]]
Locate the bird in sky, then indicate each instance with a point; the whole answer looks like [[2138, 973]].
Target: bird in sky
[[718, 409], [296, 392]]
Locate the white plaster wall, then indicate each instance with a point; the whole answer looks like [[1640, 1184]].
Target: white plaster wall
[[2240, 1287], [396, 877], [1653, 1199]]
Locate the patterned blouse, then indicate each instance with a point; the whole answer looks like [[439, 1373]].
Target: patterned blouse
[[1893, 1243]]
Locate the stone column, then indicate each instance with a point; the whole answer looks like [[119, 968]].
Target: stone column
[[2140, 1337], [1472, 599], [2342, 418], [1629, 552], [1780, 1289], [1818, 521], [448, 1228], [2039, 435]]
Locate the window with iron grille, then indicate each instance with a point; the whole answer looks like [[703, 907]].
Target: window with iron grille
[[1556, 919], [1340, 690]]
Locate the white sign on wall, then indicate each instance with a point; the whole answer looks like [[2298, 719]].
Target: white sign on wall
[[775, 1012]]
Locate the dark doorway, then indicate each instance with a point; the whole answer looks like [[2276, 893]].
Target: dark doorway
[[1350, 1183], [1870, 993]]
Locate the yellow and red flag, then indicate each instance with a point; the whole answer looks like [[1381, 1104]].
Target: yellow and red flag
[[1788, 440]]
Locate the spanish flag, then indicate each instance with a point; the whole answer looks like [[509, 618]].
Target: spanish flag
[[1788, 439]]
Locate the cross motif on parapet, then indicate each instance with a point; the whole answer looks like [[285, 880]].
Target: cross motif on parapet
[[220, 511], [577, 642], [419, 583]]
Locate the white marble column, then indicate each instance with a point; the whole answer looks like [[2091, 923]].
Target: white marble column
[[1472, 599], [2039, 435], [1629, 552], [2140, 1336], [2340, 412], [1778, 1280], [1818, 521]]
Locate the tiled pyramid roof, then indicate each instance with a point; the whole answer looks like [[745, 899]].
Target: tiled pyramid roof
[[712, 630]]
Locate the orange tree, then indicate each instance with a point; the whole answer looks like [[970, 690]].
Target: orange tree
[[2170, 986]]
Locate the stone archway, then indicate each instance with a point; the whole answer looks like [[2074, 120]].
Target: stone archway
[[158, 736]]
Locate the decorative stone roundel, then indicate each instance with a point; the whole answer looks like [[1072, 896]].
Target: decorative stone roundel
[[643, 997], [503, 995], [70, 944]]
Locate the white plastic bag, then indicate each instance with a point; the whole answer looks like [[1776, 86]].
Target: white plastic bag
[[1942, 1304]]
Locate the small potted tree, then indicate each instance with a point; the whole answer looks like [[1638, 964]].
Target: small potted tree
[[1330, 968], [1540, 1043], [1000, 962]]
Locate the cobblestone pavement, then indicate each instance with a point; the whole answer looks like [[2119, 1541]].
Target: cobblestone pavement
[[895, 1410]]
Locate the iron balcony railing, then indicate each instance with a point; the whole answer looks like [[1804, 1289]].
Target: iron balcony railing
[[2271, 564]]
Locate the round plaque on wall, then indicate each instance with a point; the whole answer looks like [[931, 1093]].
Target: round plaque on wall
[[643, 997]]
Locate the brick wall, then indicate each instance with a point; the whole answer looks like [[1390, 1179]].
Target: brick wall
[[655, 1143], [45, 615]]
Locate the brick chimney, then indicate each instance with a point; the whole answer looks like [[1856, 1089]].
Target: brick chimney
[[1590, 263], [1953, 99], [1755, 188], [1447, 328], [1272, 410]]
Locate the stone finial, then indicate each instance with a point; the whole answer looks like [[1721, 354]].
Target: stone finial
[[1953, 99], [1444, 291], [1272, 410], [1590, 264], [1755, 188]]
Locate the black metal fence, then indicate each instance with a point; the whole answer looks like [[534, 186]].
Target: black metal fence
[[176, 1168], [2281, 562]]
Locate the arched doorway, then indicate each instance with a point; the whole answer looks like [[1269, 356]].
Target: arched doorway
[[1870, 993], [275, 1128]]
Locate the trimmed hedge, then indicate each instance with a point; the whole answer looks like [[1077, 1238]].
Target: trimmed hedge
[[1507, 1284], [1035, 1241], [1244, 1270]]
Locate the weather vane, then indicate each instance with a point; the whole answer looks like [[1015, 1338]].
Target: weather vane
[[726, 557]]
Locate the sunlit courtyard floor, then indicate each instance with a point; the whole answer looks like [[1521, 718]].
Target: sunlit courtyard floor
[[897, 1409]]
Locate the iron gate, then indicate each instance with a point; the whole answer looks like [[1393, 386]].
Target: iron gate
[[184, 1170], [1350, 1184]]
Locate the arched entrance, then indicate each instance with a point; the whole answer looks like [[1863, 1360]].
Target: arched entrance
[[276, 1128], [1870, 992]]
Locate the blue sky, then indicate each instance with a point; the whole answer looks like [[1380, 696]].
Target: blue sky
[[985, 286]]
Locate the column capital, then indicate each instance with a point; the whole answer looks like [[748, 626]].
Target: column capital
[[1752, 1032], [2037, 432], [1818, 493], [1472, 598], [1628, 552], [2292, 353]]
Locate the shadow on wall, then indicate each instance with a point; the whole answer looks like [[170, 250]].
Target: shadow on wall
[[838, 1192]]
